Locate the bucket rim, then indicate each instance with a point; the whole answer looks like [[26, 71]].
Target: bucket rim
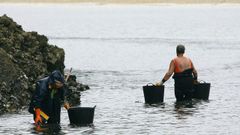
[[82, 107]]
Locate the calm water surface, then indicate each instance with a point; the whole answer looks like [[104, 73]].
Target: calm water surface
[[118, 49]]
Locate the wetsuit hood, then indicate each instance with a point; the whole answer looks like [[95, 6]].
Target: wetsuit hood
[[56, 76]]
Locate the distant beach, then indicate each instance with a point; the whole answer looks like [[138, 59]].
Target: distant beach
[[124, 1]]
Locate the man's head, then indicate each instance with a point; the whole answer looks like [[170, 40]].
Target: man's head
[[56, 79], [180, 49]]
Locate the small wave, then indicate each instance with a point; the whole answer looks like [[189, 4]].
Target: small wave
[[107, 38], [166, 39]]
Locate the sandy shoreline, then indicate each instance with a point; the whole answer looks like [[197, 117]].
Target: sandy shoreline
[[125, 1]]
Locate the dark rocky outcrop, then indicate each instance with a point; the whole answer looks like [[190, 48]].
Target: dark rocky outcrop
[[25, 58], [74, 89]]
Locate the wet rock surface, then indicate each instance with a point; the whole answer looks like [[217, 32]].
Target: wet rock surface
[[25, 58], [74, 90]]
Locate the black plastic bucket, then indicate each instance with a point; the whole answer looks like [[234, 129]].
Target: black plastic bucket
[[81, 115], [201, 90], [153, 94]]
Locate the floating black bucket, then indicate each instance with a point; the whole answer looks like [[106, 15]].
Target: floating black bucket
[[201, 90], [81, 115], [153, 94]]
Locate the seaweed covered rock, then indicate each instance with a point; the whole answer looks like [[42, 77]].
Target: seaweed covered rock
[[74, 90], [25, 57], [12, 90]]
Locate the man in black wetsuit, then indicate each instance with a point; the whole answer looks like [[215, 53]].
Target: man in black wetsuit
[[184, 75], [47, 98]]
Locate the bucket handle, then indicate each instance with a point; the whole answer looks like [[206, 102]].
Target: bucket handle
[[201, 81], [150, 84]]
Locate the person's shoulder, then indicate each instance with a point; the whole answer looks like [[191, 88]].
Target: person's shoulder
[[174, 59], [43, 80]]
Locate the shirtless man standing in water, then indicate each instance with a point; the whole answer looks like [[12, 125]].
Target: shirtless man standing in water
[[184, 75]]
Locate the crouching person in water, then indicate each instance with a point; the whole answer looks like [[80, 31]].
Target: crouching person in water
[[184, 75], [48, 96]]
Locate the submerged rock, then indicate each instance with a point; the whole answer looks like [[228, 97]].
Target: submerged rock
[[25, 58], [74, 90]]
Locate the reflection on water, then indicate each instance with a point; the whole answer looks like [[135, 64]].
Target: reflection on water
[[56, 129], [48, 129], [160, 105], [184, 109]]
